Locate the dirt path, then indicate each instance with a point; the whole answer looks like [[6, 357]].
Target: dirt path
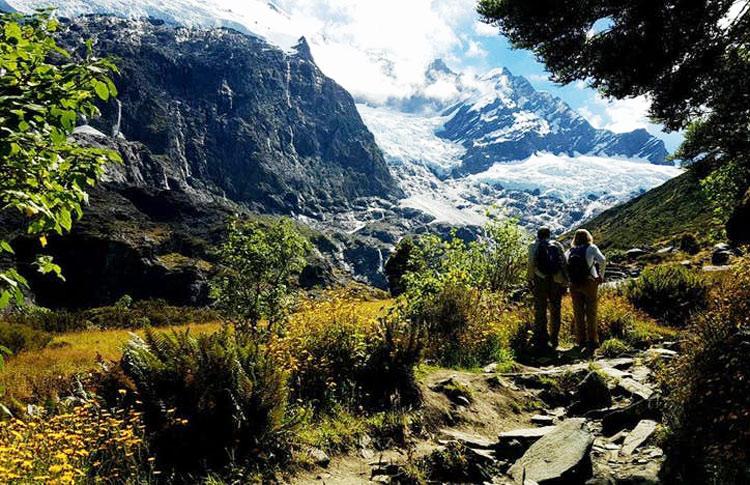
[[504, 422]]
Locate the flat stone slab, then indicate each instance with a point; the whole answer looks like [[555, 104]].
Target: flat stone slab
[[642, 432], [543, 420], [466, 439], [635, 388], [526, 434], [659, 353], [561, 454], [617, 363], [614, 373]]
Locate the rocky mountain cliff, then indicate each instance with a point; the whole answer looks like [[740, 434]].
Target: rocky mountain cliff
[[209, 123], [230, 116]]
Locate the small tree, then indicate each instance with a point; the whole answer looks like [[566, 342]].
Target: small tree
[[43, 173], [501, 254], [258, 264]]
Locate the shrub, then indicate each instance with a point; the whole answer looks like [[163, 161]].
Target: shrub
[[87, 444], [470, 327], [18, 338], [398, 265], [502, 254], [210, 397], [708, 404], [670, 293], [156, 313], [619, 319], [255, 278], [613, 347], [326, 345], [453, 464], [388, 377], [495, 262], [47, 320]]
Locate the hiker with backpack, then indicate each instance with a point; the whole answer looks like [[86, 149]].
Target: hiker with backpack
[[585, 270], [547, 280]]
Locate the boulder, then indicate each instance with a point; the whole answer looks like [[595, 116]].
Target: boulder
[[629, 416], [457, 390], [638, 436], [543, 420], [635, 253], [526, 435], [592, 393], [318, 456], [658, 353], [559, 457], [512, 444], [466, 439], [721, 258]]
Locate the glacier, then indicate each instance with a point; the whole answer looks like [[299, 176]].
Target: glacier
[[554, 189]]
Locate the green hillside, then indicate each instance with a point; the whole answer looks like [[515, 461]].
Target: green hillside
[[677, 207]]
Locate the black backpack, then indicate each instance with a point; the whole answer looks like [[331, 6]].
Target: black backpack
[[547, 259], [578, 268]]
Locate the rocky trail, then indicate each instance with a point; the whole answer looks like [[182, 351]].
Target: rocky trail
[[563, 420]]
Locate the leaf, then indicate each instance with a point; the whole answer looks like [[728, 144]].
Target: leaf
[[102, 90], [65, 220], [43, 241], [5, 246], [4, 298], [13, 31], [68, 120]]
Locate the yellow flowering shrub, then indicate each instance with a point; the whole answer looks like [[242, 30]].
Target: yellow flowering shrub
[[325, 345], [87, 443], [619, 319], [470, 327]]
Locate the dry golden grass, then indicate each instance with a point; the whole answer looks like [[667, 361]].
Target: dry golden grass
[[36, 375], [39, 374]]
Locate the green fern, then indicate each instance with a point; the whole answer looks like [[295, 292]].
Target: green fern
[[209, 397]]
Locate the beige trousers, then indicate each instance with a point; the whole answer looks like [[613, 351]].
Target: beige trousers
[[585, 301]]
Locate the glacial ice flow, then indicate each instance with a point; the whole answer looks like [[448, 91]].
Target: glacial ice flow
[[545, 188], [568, 177]]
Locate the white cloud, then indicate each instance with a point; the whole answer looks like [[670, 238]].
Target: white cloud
[[475, 50], [380, 50], [485, 30], [624, 114], [596, 120]]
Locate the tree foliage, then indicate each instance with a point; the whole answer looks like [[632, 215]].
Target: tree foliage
[[43, 92], [258, 264], [495, 261], [691, 57]]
